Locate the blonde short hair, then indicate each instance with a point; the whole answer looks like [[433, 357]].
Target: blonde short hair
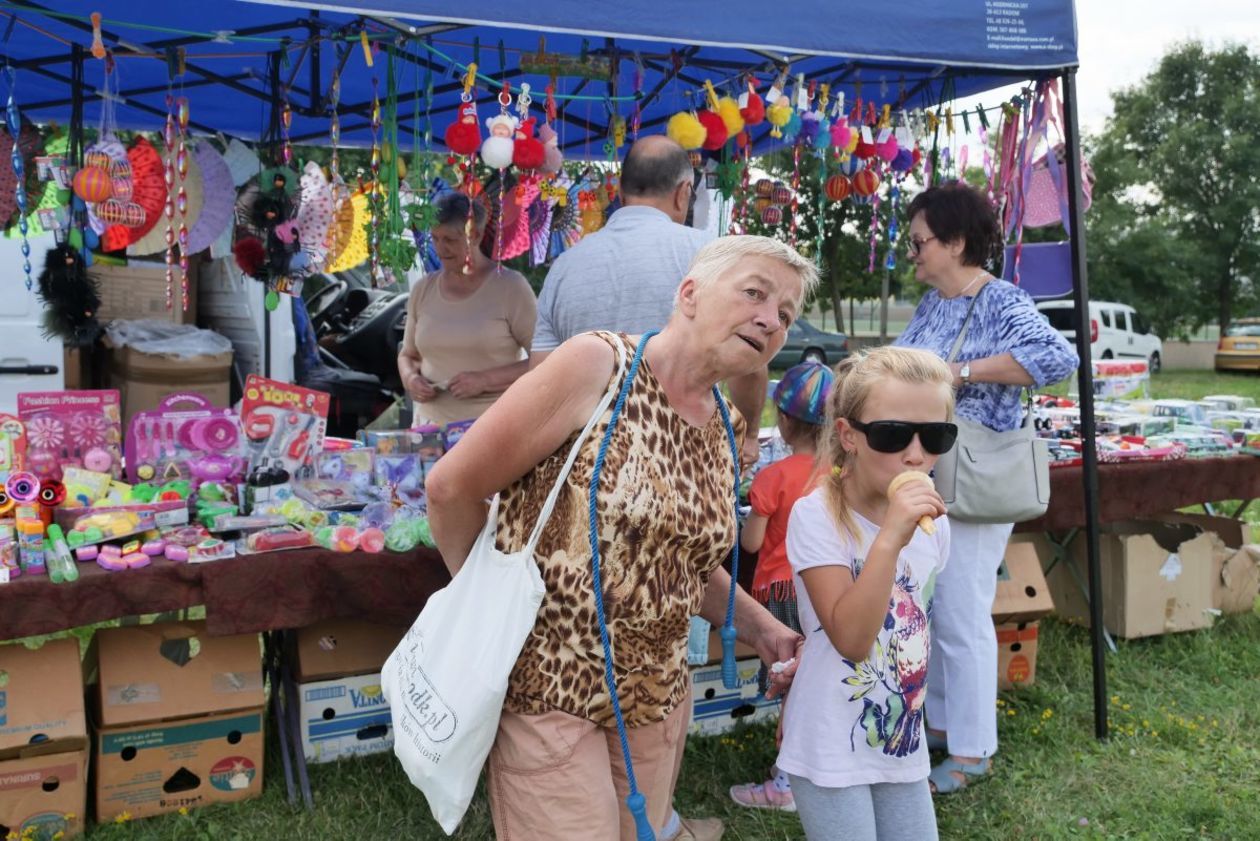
[[856, 377], [723, 253]]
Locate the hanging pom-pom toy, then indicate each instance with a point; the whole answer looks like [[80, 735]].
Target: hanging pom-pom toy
[[779, 114], [841, 134], [863, 150], [553, 158], [809, 129], [887, 150], [496, 149], [685, 129], [527, 151], [731, 115], [250, 256], [904, 161], [715, 130], [463, 137], [752, 107]]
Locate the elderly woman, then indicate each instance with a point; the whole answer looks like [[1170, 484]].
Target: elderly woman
[[468, 335], [953, 234], [667, 521]]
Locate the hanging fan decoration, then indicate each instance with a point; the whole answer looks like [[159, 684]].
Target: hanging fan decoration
[[154, 242], [217, 193], [349, 222], [148, 191], [566, 219], [50, 211], [315, 214]]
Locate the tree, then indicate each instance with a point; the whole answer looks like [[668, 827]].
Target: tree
[[1175, 225]]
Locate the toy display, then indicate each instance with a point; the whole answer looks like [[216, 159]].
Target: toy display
[[284, 426], [12, 444], [10, 568], [64, 428], [198, 443]]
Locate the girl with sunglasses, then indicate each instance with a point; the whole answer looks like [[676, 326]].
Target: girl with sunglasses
[[853, 744], [1008, 346]]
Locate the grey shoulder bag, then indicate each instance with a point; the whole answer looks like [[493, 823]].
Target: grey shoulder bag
[[993, 477]]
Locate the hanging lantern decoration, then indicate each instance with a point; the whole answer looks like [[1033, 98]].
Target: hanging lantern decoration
[[838, 187], [772, 215], [780, 194], [865, 182], [92, 184], [764, 187]]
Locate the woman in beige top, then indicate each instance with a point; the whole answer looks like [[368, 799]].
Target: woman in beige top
[[468, 335]]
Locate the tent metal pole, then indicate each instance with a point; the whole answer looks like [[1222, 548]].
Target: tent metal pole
[[1089, 453]]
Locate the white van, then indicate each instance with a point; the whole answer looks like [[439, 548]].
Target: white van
[[1116, 331]]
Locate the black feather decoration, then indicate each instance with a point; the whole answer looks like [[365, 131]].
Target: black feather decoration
[[71, 298]]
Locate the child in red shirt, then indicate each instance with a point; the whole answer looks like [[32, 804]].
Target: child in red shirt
[[801, 399]]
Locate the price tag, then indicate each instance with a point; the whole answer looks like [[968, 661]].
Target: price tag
[[4, 575], [866, 135], [884, 134]]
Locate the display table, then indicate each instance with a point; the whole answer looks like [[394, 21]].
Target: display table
[[246, 594], [1143, 489]]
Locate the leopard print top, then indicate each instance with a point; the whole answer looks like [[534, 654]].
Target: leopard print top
[[666, 520]]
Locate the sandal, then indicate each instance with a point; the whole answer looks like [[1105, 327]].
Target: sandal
[[943, 780], [763, 796]]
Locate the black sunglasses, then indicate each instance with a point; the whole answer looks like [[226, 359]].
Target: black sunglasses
[[889, 436]]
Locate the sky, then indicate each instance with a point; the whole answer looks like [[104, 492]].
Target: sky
[[1121, 41]]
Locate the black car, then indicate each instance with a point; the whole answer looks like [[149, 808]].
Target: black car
[[806, 342]]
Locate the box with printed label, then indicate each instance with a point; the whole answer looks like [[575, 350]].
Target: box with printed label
[[43, 741], [1156, 579], [179, 718], [1017, 654], [340, 703], [716, 709], [344, 717]]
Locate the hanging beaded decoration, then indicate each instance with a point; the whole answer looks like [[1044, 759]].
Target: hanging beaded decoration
[[181, 199], [14, 119], [169, 134], [374, 229]]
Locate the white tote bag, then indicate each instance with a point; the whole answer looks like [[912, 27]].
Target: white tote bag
[[446, 680]]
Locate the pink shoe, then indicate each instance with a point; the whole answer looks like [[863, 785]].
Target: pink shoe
[[763, 796]]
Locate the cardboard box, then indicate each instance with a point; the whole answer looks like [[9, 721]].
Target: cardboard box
[[179, 718], [716, 709], [338, 648], [742, 650], [145, 379], [43, 740], [1156, 577], [1017, 654], [344, 717], [138, 290], [1022, 594], [1235, 570], [340, 703], [44, 795]]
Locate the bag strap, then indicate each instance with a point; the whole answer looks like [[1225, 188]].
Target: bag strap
[[962, 331], [604, 402]]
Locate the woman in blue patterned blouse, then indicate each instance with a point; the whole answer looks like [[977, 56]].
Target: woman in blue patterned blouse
[[954, 233]]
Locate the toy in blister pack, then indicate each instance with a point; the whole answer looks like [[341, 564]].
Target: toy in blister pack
[[454, 431], [403, 475], [335, 494], [12, 444], [284, 425], [354, 466], [388, 442], [196, 443], [71, 428]]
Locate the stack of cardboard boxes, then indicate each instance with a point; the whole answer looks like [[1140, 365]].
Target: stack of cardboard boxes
[[178, 718], [1022, 599], [341, 707], [43, 741], [716, 709]]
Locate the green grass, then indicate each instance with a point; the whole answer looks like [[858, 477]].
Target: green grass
[[1183, 761]]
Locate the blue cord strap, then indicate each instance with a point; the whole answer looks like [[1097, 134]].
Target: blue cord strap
[[636, 802]]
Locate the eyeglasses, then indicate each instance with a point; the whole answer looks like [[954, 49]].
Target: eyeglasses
[[889, 436], [691, 199], [916, 245]]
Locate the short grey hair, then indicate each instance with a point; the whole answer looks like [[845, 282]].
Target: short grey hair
[[723, 253], [452, 209]]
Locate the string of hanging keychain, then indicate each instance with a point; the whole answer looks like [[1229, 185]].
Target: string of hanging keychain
[[175, 176]]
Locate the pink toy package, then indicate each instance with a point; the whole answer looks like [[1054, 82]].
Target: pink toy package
[[72, 428], [185, 437], [283, 424]]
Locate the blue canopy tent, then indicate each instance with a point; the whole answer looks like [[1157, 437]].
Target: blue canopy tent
[[241, 59]]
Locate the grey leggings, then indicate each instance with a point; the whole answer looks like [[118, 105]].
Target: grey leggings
[[865, 813]]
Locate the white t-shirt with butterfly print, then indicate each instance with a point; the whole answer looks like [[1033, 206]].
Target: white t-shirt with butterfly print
[[849, 723]]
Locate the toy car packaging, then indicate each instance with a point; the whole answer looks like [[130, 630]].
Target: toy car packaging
[[284, 425]]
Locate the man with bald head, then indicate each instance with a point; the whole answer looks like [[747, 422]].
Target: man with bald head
[[623, 276]]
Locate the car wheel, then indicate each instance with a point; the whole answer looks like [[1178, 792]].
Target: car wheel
[[814, 355], [1155, 363], [1106, 354]]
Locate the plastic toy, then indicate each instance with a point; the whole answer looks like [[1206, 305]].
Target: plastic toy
[[71, 428], [372, 540], [31, 551], [283, 424], [61, 565], [210, 549], [12, 444], [277, 538], [153, 548], [408, 533], [87, 553], [455, 431], [22, 487], [176, 553], [195, 442]]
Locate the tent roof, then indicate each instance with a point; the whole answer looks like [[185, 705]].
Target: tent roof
[[914, 52]]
